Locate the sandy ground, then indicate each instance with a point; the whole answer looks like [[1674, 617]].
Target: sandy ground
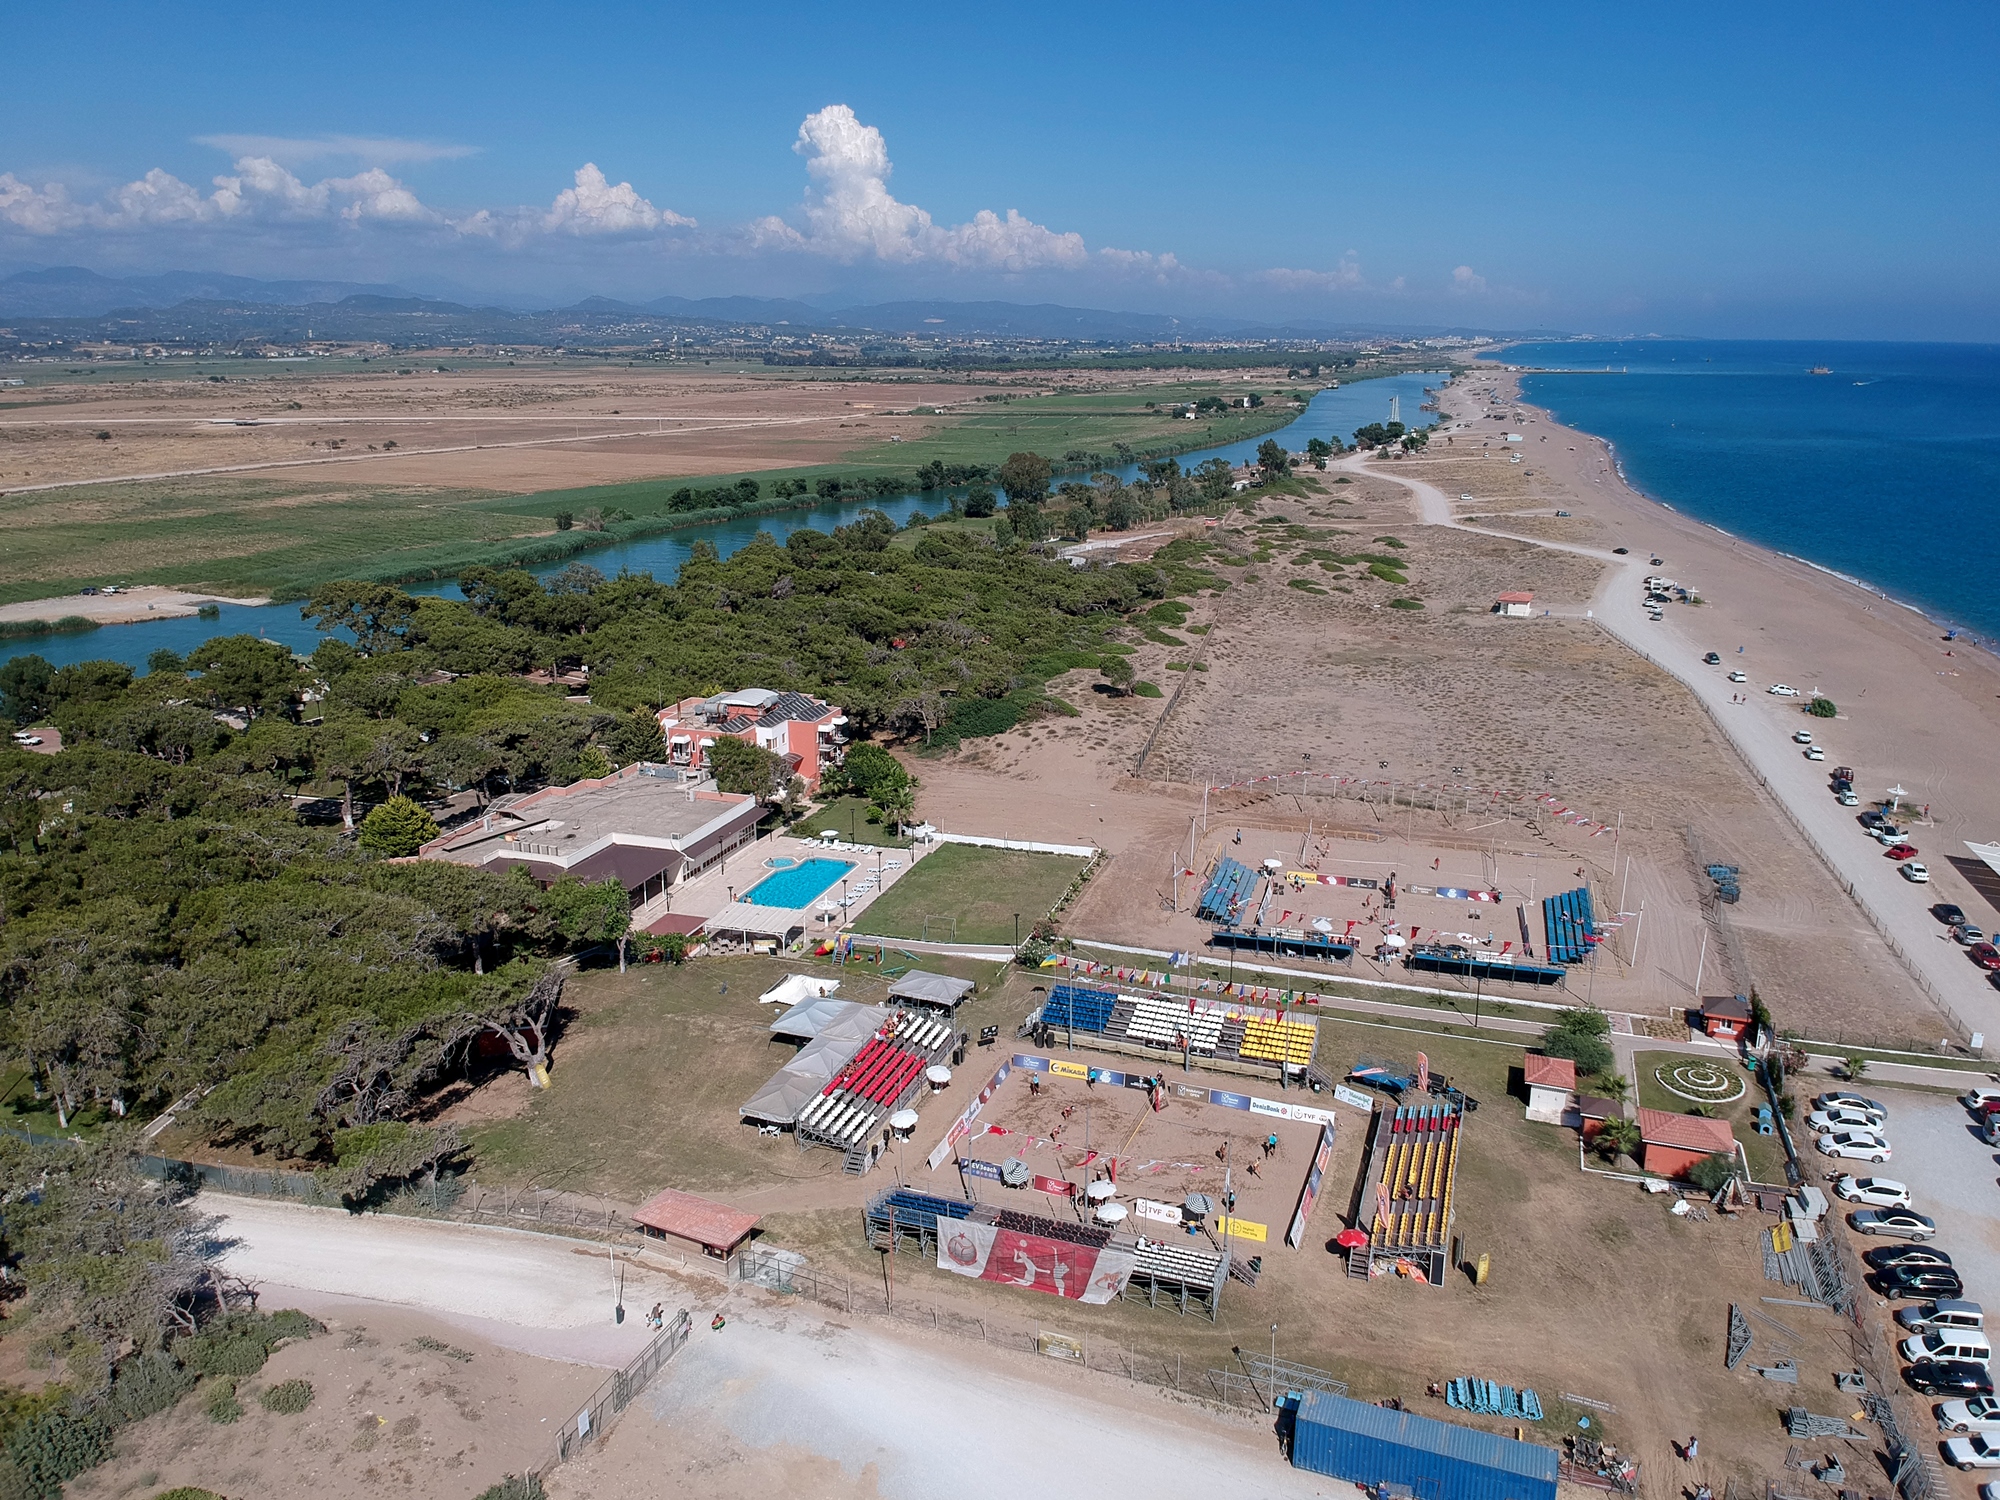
[[141, 602], [786, 1401]]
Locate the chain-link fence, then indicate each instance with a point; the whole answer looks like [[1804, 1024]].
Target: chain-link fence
[[594, 1421]]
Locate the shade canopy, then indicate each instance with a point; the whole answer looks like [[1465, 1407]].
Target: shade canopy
[[1350, 1239], [903, 1120]]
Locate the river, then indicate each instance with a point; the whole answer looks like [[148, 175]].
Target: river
[[1332, 413]]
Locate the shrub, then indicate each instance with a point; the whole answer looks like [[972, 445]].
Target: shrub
[[399, 827], [187, 1492], [150, 1383], [1146, 690], [239, 1343], [288, 1397], [1406, 604], [1712, 1172], [1579, 1036], [48, 1450], [1822, 708], [514, 1487], [220, 1402]]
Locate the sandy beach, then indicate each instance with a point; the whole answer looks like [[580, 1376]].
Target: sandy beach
[[146, 601]]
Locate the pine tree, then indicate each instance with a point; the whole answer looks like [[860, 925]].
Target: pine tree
[[397, 829]]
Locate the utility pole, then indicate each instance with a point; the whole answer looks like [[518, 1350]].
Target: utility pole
[[1698, 966]]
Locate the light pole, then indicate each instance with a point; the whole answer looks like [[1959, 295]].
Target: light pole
[[1017, 929], [1274, 1364]]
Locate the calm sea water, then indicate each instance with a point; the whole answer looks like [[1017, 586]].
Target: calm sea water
[[1334, 413], [1887, 468]]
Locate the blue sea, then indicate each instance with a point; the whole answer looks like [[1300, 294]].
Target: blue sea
[[1331, 413], [1886, 468]]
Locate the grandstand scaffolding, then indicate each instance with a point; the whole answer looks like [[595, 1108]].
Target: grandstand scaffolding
[[1255, 1037], [1413, 1160], [849, 1115]]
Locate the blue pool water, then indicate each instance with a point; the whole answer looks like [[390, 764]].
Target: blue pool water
[[797, 886]]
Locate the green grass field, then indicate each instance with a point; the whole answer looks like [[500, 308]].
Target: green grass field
[[984, 889], [268, 535], [1766, 1156], [848, 817]]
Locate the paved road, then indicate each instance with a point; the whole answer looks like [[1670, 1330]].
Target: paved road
[[1761, 732]]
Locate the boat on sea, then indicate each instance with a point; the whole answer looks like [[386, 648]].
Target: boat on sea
[[1819, 370]]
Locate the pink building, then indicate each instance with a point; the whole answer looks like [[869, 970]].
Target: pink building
[[810, 735]]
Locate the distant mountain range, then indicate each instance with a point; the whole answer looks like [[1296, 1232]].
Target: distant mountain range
[[241, 306]]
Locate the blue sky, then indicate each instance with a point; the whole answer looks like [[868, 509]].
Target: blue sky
[[1815, 170]]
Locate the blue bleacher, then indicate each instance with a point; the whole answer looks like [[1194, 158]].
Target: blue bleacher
[[1078, 1007], [1570, 924], [915, 1210], [1228, 891]]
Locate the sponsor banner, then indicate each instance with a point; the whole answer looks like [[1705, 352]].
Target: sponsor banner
[[972, 1166], [1068, 1069], [963, 1123], [1152, 1208], [1353, 1097], [1227, 1100], [1423, 1074], [944, 1147], [1277, 1110], [1031, 1064], [1137, 1081], [1188, 1091], [987, 1252], [1062, 1187], [1309, 1195], [1244, 1229]]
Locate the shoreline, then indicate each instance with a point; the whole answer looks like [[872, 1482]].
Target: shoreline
[[1965, 633], [129, 606]]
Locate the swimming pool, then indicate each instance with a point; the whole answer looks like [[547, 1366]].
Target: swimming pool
[[797, 886]]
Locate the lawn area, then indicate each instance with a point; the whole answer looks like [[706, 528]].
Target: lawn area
[[985, 889], [848, 817], [648, 1074], [1767, 1156]]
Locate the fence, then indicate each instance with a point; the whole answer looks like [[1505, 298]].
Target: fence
[[617, 1393]]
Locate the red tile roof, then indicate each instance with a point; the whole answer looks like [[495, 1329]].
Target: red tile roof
[[715, 1226], [1548, 1072], [1685, 1132], [1526, 597]]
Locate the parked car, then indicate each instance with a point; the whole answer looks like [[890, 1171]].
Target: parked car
[[1977, 1451], [1621, 551], [1979, 1414], [1978, 1094], [1801, 736], [1780, 690], [1949, 913], [1846, 799], [1968, 933], [1846, 1117], [1876, 1192], [1887, 833], [1945, 1314], [1985, 955], [1949, 1377], [1858, 1145], [1901, 1223], [1903, 1283], [1815, 752], [1915, 873], [1840, 1098], [1713, 659], [1916, 1257], [1969, 1344], [1873, 819], [1739, 676], [1903, 851]]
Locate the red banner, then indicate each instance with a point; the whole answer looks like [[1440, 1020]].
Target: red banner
[[1062, 1187], [1058, 1268]]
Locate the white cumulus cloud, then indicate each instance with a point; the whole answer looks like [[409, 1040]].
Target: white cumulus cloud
[[256, 190], [1467, 280], [374, 150], [597, 206], [1346, 276], [850, 212]]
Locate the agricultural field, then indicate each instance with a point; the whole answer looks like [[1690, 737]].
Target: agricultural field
[[971, 895]]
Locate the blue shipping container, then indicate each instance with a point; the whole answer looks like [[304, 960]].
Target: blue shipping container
[[1436, 1460]]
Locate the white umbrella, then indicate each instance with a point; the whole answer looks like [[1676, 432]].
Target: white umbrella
[[903, 1121], [1111, 1213], [1274, 864], [1097, 1192], [1394, 940], [1322, 924], [938, 1075]]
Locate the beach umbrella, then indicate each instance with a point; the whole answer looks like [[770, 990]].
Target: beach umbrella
[[1394, 940], [1097, 1192], [1111, 1213], [1274, 864], [1199, 1204], [1351, 1239], [1322, 924], [903, 1121]]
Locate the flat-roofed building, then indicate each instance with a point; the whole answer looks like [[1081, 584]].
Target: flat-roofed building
[[642, 826]]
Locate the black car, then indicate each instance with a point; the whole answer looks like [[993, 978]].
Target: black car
[[1907, 1282], [1882, 1257], [1712, 659], [1873, 819], [1948, 913], [1621, 551], [1949, 1377]]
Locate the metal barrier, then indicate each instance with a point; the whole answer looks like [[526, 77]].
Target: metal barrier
[[617, 1393]]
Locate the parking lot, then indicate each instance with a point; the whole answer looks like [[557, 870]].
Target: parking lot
[[1951, 1175]]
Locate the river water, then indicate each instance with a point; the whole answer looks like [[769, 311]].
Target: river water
[[1332, 413]]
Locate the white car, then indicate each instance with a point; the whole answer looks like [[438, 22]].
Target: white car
[[1813, 752], [1915, 873], [1779, 690], [1837, 1098], [1848, 799], [1977, 1451], [1465, 497], [1801, 736], [1739, 676], [1845, 1117], [1860, 1145], [1878, 1192], [1980, 1414]]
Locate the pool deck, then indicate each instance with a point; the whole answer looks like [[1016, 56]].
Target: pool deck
[[709, 894]]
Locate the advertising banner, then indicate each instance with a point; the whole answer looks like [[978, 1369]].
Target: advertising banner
[[986, 1252], [1068, 1069], [1227, 1100], [1354, 1097], [972, 1166], [1280, 1110], [1062, 1187], [1423, 1074], [1031, 1064], [1295, 1236], [1150, 1208], [1243, 1229], [963, 1123]]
